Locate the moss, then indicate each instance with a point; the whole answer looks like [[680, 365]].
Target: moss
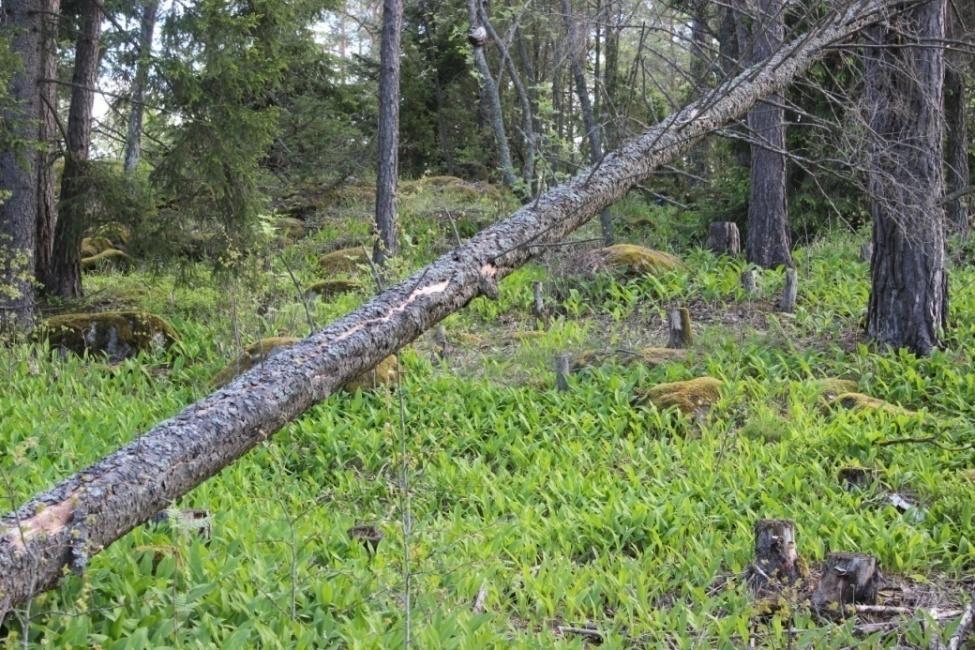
[[344, 260], [327, 289], [289, 228], [92, 246], [862, 402], [118, 334], [386, 372], [633, 259], [830, 387], [650, 356], [688, 396], [252, 355], [111, 258]]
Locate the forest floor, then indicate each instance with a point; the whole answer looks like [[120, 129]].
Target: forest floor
[[513, 514]]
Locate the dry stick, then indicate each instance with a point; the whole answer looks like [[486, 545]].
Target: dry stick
[[964, 625], [480, 599], [127, 487]]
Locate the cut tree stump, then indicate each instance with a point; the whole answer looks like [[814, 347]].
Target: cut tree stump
[[563, 367], [440, 337], [538, 308], [789, 292], [776, 559], [679, 322], [848, 579], [723, 238], [749, 282], [856, 478]]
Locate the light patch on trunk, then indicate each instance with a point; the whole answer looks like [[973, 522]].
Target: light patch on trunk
[[49, 521], [428, 290]]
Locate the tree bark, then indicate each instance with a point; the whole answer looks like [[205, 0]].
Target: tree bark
[[90, 510], [490, 90], [65, 276], [133, 140], [957, 172], [576, 62], [909, 283], [48, 137], [767, 232], [387, 175], [18, 168], [700, 75]]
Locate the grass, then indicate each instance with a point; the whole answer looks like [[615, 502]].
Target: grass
[[575, 508]]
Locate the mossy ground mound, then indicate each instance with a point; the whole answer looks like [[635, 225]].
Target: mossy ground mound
[[386, 372], [290, 229], [688, 396], [92, 246], [118, 334], [344, 260], [866, 403], [252, 355], [832, 387], [650, 356], [327, 289], [629, 259], [109, 258]]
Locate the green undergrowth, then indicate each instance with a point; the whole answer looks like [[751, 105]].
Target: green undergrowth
[[577, 508]]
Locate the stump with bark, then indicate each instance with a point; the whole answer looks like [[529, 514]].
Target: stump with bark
[[790, 291], [679, 324], [723, 238], [849, 578], [776, 559], [749, 282]]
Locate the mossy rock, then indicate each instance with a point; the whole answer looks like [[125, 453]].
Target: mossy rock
[[110, 258], [252, 355], [831, 387], [118, 234], [92, 246], [327, 289], [386, 372], [688, 396], [865, 403], [630, 259], [289, 228], [118, 334], [650, 356], [344, 260]]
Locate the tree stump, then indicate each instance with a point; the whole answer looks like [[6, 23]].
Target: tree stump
[[776, 559], [440, 337], [723, 238], [866, 252], [538, 308], [749, 282], [847, 579], [856, 478], [789, 293], [679, 322], [562, 370]]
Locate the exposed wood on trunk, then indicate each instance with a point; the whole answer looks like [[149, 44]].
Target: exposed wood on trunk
[[767, 233], [387, 175], [133, 140], [18, 168], [576, 62], [127, 487], [909, 282], [65, 277], [679, 324]]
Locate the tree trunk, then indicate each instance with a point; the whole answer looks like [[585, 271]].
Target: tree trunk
[[957, 173], [576, 62], [767, 232], [19, 166], [909, 283], [65, 277], [700, 74], [492, 96], [133, 140], [90, 510], [387, 174], [48, 138]]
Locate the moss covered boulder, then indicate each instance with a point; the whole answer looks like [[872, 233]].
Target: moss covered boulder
[[344, 260], [630, 259], [117, 334], [328, 289], [252, 355], [865, 403], [290, 229], [689, 396], [650, 356], [109, 258], [91, 246], [386, 372], [831, 387]]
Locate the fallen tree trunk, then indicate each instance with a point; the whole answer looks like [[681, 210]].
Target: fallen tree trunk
[[87, 512]]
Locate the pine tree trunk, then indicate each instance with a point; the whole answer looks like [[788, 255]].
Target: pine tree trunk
[[700, 74], [65, 277], [576, 61], [956, 151], [133, 140], [767, 232], [19, 167], [90, 510], [387, 175], [909, 287], [48, 139]]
